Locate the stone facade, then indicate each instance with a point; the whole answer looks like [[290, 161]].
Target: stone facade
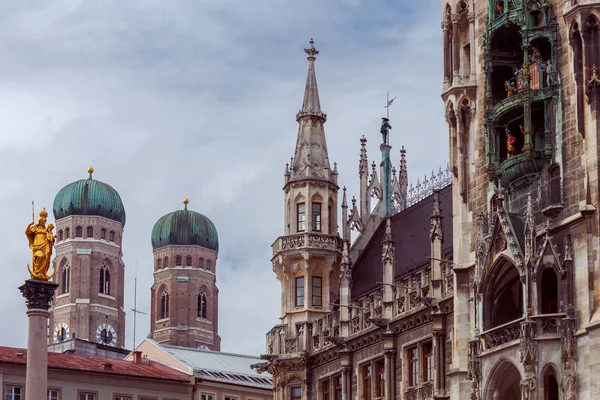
[[185, 297], [520, 94], [89, 302]]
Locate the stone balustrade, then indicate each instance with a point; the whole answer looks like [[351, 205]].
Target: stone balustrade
[[307, 241], [502, 334]]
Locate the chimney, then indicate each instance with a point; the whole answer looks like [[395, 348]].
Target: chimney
[[137, 357]]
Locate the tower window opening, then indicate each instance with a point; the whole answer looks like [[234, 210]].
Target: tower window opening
[[67, 233], [202, 305], [201, 263], [188, 261], [330, 220], [78, 231], [299, 292], [104, 279], [166, 262], [178, 261], [159, 263], [316, 217], [549, 289], [102, 233], [208, 265], [89, 232], [66, 278], [301, 217], [111, 236], [164, 305], [317, 291], [60, 235]]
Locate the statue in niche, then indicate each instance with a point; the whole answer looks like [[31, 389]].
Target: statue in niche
[[534, 70], [510, 143], [510, 87], [549, 73], [500, 7]]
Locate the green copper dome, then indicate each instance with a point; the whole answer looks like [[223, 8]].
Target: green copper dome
[[185, 227], [89, 197]]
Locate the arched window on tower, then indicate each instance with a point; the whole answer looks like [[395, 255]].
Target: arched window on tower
[[201, 262], [78, 231], [111, 236], [202, 305], [104, 279], [102, 233], [166, 262], [159, 263], [67, 233], [188, 261], [549, 289], [65, 278], [164, 305], [89, 232], [208, 265], [60, 235], [178, 261]]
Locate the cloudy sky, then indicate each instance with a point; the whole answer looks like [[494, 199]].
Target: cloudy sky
[[197, 99]]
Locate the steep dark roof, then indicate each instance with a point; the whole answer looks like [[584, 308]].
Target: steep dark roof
[[410, 232]]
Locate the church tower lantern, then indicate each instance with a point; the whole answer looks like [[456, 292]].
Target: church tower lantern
[[184, 293], [88, 303]]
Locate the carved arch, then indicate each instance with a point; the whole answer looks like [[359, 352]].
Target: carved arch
[[317, 197], [504, 381], [503, 294]]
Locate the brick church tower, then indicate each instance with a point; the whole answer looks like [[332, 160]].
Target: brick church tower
[[88, 304], [184, 293]]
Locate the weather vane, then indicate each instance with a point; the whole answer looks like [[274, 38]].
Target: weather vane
[[389, 103]]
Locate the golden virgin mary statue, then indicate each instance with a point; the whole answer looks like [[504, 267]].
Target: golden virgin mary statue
[[41, 241]]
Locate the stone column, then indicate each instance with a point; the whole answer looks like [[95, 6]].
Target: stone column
[[439, 363], [346, 364], [446, 38], [38, 296], [456, 48], [390, 365]]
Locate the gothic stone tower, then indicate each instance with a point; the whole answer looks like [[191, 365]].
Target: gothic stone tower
[[184, 293], [306, 258], [521, 96], [88, 304]]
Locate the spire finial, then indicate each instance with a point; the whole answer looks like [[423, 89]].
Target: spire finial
[[91, 171], [185, 202], [311, 51]]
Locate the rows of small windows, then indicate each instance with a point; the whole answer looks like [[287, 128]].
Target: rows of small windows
[[89, 233], [317, 292], [16, 392], [164, 305], [104, 281], [210, 396], [179, 262]]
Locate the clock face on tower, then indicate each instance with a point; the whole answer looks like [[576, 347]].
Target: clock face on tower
[[61, 332], [106, 334]]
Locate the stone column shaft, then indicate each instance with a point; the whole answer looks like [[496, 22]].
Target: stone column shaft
[[447, 57], [456, 46]]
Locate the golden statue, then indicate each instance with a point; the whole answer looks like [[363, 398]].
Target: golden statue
[[41, 240]]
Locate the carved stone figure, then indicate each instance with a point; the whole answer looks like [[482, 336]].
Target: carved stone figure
[[510, 143], [385, 130], [41, 240]]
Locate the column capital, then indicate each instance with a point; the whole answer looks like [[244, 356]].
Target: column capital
[[446, 25], [38, 294]]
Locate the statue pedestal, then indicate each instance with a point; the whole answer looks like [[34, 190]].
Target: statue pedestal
[[38, 296]]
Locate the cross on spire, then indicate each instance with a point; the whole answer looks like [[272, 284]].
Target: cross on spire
[[312, 52]]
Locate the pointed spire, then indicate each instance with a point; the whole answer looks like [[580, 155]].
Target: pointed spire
[[310, 158], [311, 106], [363, 165], [436, 231]]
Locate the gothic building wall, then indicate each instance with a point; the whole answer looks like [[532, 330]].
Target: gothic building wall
[[525, 220]]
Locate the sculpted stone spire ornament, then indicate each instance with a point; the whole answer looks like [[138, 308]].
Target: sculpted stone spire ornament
[[388, 254], [436, 231], [529, 233], [41, 240]]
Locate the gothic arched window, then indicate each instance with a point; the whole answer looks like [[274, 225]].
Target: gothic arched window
[[202, 305], [102, 233], [78, 231], [188, 261], [549, 289], [166, 262], [208, 265], [60, 235], [178, 261], [159, 263], [104, 279], [164, 305], [65, 278], [111, 236], [201, 263], [89, 232], [67, 233]]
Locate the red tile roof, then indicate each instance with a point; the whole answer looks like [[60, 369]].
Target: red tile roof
[[62, 361]]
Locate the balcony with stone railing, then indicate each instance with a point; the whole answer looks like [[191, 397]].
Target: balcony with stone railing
[[307, 241], [423, 392], [548, 326], [502, 334]]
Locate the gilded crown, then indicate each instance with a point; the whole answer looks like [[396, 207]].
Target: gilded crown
[[44, 213]]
